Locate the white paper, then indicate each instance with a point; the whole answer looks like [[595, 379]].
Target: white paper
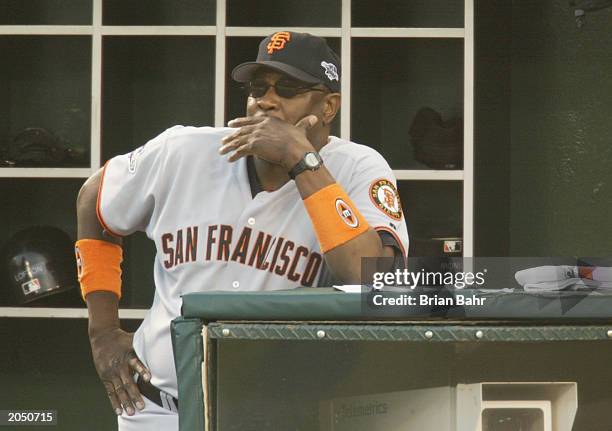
[[349, 288]]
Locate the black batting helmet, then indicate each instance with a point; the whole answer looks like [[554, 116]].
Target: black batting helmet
[[38, 262]]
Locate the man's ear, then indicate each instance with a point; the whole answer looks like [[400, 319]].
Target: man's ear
[[331, 106]]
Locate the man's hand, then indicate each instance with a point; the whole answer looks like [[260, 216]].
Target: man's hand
[[116, 363], [270, 139]]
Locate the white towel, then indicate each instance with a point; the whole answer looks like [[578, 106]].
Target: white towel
[[600, 273], [571, 284], [551, 278], [546, 274]]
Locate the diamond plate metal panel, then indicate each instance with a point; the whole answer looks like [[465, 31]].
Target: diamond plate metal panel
[[422, 333]]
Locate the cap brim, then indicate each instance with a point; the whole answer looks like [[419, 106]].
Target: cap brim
[[244, 71]]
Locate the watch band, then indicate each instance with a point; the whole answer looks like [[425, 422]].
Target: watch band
[[304, 165]]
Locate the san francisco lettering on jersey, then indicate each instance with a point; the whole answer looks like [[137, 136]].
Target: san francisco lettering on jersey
[[258, 249]]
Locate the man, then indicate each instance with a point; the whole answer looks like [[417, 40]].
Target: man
[[272, 202]]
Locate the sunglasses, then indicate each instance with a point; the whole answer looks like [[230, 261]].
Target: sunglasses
[[285, 89]]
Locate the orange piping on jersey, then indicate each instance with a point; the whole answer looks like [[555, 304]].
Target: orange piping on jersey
[[399, 242], [98, 213]]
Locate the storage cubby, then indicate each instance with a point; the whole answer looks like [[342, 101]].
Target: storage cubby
[[45, 12], [432, 210], [159, 12], [45, 83], [385, 99], [29, 201], [414, 13], [153, 83], [284, 13]]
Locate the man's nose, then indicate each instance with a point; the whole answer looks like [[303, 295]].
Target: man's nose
[[269, 101]]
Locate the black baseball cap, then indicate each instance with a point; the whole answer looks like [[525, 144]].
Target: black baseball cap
[[302, 56]]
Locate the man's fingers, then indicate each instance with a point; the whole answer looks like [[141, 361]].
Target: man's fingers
[[245, 121], [110, 391], [241, 152], [139, 367], [122, 394], [131, 388], [307, 122], [232, 145], [245, 130]]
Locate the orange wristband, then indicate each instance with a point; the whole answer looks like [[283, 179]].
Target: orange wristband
[[334, 217], [99, 266]]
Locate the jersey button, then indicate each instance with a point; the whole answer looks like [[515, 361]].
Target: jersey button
[[251, 221], [236, 284]]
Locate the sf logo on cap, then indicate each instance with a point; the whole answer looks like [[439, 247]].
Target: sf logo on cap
[[278, 41]]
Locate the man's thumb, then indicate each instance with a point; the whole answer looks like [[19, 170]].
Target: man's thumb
[[307, 122]]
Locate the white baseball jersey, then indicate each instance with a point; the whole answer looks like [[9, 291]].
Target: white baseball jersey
[[212, 234]]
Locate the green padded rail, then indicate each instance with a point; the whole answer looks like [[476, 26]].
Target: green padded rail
[[325, 304], [187, 339], [298, 304]]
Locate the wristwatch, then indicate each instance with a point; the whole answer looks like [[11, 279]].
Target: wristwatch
[[311, 162]]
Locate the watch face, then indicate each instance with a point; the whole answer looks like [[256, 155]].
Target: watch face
[[311, 160]]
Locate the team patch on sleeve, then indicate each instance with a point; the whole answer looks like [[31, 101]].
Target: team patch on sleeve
[[386, 198]]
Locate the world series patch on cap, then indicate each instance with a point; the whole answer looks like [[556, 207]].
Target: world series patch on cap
[[301, 56]]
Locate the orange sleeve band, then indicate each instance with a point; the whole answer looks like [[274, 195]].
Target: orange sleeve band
[[335, 218], [99, 266]]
